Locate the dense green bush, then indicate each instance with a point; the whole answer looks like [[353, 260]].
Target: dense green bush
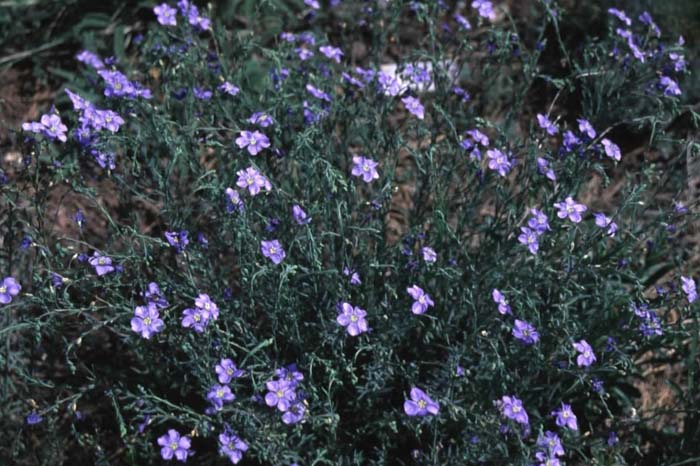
[[233, 246]]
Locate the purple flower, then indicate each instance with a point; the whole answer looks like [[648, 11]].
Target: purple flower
[[146, 320], [414, 106], [294, 414], [226, 370], [290, 374], [429, 254], [255, 141], [512, 408], [603, 221], [102, 264], [334, 53], [201, 93], [420, 404], [566, 417], [364, 167], [354, 276], [90, 59], [551, 442], [8, 289], [422, 300], [529, 238], [261, 119], [318, 93], [178, 240], [273, 250], [313, 4], [253, 180], [646, 18], [585, 127], [525, 332], [498, 161], [545, 460], [209, 308], [229, 88], [173, 444], [612, 439], [498, 298], [220, 394], [688, 286], [571, 209], [233, 200], [611, 149], [165, 14], [462, 21], [586, 356], [34, 418], [280, 393], [544, 169], [50, 126], [669, 86], [304, 54], [570, 140], [201, 23], [485, 8], [231, 446], [478, 137], [353, 318], [547, 125], [619, 14], [538, 221], [299, 215], [195, 318]]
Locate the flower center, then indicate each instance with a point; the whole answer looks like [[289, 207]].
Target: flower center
[[516, 409], [252, 141], [219, 393], [197, 317], [421, 300], [353, 318], [250, 180], [422, 404], [147, 321], [229, 371], [173, 446], [101, 261], [3, 290], [365, 167], [207, 306], [280, 393], [273, 249]]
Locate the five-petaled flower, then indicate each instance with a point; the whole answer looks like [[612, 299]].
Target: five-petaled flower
[[353, 318], [165, 14], [525, 332], [254, 141], [512, 408], [414, 106], [689, 288], [365, 168], [252, 180], [227, 370], [280, 394], [565, 417], [273, 250], [8, 289], [571, 209], [231, 446], [586, 356], [420, 404], [102, 264], [220, 394], [174, 444], [146, 320], [422, 300]]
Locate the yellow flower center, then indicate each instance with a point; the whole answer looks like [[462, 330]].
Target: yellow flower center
[[173, 446], [421, 404], [353, 318], [250, 180], [147, 321], [279, 393], [197, 317], [229, 371], [101, 261], [219, 393], [207, 306], [3, 289], [516, 409]]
